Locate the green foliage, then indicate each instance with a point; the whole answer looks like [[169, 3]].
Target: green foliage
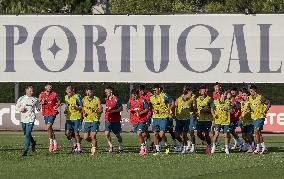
[[45, 6]]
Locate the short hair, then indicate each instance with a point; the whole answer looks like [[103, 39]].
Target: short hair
[[29, 87], [142, 87], [186, 89], [203, 87], [89, 88], [244, 90], [70, 87], [134, 91], [253, 87], [48, 83], [156, 86], [109, 88], [217, 83]]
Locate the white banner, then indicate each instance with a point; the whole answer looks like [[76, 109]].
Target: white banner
[[159, 48]]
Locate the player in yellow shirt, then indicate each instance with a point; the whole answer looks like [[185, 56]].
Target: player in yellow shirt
[[162, 106], [92, 110], [247, 122], [259, 106], [73, 123], [204, 117], [221, 114], [185, 122]]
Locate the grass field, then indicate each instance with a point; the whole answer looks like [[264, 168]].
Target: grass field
[[43, 164]]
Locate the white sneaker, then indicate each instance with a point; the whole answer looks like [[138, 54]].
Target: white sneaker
[[192, 150], [250, 149], [256, 151], [227, 151], [156, 153], [263, 150], [184, 151], [213, 149], [177, 149]]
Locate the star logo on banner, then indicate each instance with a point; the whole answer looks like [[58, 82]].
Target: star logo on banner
[[54, 49]]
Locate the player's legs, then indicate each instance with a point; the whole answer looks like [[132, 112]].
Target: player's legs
[[116, 129], [217, 129], [258, 127], [178, 132], [238, 142], [27, 129], [108, 128]]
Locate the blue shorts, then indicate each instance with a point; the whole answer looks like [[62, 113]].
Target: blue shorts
[[170, 124], [139, 127], [49, 119], [91, 126], [114, 127], [218, 127], [182, 125], [73, 125], [234, 125], [248, 129], [160, 124], [203, 126], [258, 124]]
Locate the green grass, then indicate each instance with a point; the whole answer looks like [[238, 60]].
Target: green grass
[[43, 164]]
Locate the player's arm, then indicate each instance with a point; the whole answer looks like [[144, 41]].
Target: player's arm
[[267, 102], [212, 110], [210, 104], [119, 107], [238, 109], [146, 108], [100, 107], [38, 105], [169, 100], [128, 107], [79, 104], [58, 102], [19, 106]]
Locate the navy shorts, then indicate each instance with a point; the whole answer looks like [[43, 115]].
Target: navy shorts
[[114, 127], [160, 124], [49, 119], [73, 125], [91, 126]]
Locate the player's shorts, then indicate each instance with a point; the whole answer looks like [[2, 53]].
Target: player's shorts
[[258, 124], [203, 126], [49, 119], [114, 127], [139, 127], [160, 124], [91, 126], [182, 125], [170, 124], [218, 127], [73, 125], [234, 125], [248, 129]]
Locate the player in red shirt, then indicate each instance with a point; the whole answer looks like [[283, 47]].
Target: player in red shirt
[[49, 103], [216, 93], [113, 119], [146, 95], [235, 117], [138, 110]]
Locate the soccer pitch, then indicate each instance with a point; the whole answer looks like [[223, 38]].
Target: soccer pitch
[[43, 164]]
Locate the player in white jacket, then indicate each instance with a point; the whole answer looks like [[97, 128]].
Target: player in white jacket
[[27, 106]]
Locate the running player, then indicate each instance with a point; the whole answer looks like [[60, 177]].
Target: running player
[[204, 117], [138, 110], [216, 95], [162, 106], [146, 96], [73, 123], [27, 105], [92, 110], [259, 107], [221, 114], [235, 117], [247, 121], [185, 106], [49, 103], [113, 118]]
